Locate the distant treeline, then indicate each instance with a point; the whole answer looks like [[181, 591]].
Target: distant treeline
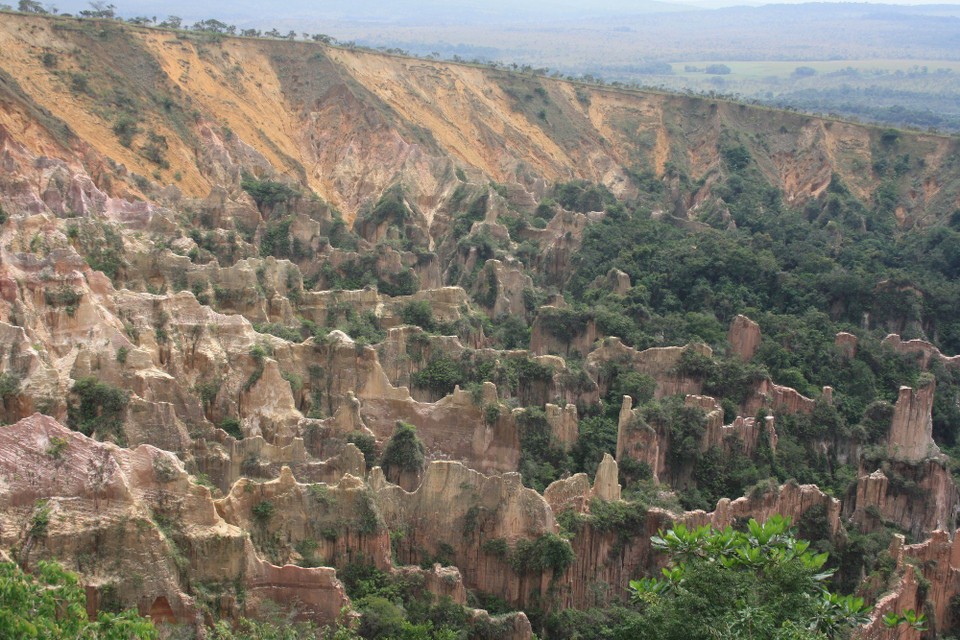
[[873, 104]]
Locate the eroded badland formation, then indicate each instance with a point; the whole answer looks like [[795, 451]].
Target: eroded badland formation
[[213, 259]]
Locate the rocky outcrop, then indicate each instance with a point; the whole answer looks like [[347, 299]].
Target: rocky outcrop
[[636, 440], [332, 523], [660, 363], [563, 423], [559, 242], [917, 497], [605, 484], [616, 281], [744, 337], [465, 517], [135, 525], [614, 557], [542, 342], [846, 344], [911, 430], [500, 288], [925, 352], [744, 431], [937, 561], [570, 494], [777, 398], [790, 500]]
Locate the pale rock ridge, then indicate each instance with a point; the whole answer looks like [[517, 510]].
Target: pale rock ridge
[[309, 512], [746, 430], [616, 281], [575, 493], [560, 241], [790, 499], [639, 441], [767, 394], [571, 493], [267, 407], [925, 352], [658, 362]]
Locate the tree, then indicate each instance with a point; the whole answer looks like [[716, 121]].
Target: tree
[[212, 25], [52, 604], [759, 583], [100, 10], [30, 6], [404, 452], [172, 22]]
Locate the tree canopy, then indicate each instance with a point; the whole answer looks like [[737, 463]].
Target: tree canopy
[[51, 604]]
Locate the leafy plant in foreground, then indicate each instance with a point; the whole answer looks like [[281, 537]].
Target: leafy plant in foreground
[[762, 582]]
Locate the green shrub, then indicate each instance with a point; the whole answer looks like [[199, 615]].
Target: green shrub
[[97, 409], [64, 296], [125, 127], [440, 375], [268, 193], [9, 385], [624, 518], [563, 323], [369, 521], [208, 390], [404, 451], [367, 445], [56, 447], [549, 552], [259, 353], [262, 512], [231, 425], [418, 313], [496, 547], [542, 460], [51, 603]]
